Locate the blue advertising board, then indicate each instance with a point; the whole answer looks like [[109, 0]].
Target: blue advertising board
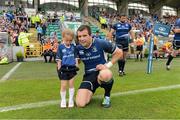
[[162, 29], [159, 29]]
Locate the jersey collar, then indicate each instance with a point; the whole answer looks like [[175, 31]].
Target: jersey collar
[[67, 46]]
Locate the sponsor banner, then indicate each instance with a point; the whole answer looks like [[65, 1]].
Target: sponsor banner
[[162, 29]]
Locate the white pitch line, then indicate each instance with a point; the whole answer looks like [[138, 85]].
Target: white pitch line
[[29, 105], [55, 102], [7, 75], [163, 88]]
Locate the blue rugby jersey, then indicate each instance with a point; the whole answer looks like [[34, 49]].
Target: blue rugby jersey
[[122, 31], [67, 55], [177, 35], [94, 55]]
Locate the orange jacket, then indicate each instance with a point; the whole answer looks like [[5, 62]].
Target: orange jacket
[[139, 41], [47, 46], [55, 47]]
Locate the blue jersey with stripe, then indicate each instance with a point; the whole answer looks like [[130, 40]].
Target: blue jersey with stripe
[[94, 55], [177, 35], [122, 31], [67, 55]]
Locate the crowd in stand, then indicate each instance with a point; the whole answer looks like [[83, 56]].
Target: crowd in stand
[[13, 24], [18, 22], [138, 21], [142, 25]]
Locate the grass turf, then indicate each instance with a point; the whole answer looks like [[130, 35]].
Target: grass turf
[[37, 81], [5, 68]]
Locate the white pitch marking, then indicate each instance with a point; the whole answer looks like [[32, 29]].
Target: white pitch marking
[[163, 88], [7, 75], [55, 102], [29, 105]]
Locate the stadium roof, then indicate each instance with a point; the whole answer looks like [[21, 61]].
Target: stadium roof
[[171, 3]]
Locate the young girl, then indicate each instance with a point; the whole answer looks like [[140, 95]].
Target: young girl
[[66, 65]]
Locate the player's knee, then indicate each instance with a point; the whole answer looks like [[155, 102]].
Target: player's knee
[[105, 75], [80, 103], [81, 100]]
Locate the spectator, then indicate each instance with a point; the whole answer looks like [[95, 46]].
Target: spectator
[[54, 49], [97, 36], [44, 26], [47, 51], [39, 32]]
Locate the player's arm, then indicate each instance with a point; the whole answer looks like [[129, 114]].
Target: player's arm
[[176, 30], [115, 57], [112, 49], [117, 54], [58, 64], [132, 35]]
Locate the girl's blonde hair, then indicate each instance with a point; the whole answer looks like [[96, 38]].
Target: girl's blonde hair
[[67, 32]]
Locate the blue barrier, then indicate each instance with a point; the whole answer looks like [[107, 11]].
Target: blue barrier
[[159, 29], [150, 57]]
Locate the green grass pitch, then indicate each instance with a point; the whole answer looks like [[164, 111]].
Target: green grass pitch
[[37, 81]]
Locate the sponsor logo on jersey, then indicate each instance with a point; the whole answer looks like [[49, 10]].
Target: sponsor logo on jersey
[[88, 54], [94, 49], [81, 52], [63, 50]]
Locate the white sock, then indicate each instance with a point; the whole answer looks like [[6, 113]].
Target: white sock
[[71, 94], [107, 97], [63, 96]]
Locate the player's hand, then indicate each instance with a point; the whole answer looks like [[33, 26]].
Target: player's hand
[[58, 67], [101, 67]]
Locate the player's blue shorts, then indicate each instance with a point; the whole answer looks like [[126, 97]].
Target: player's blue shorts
[[123, 44], [90, 81], [176, 44]]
